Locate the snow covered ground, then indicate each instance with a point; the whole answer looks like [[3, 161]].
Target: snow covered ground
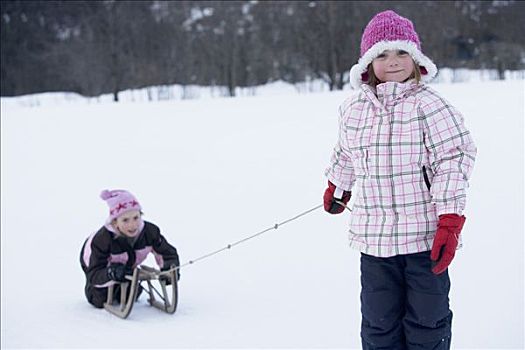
[[210, 172]]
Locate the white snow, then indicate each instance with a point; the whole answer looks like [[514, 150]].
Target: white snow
[[210, 172]]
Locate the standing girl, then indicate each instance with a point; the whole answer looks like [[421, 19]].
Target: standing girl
[[404, 157]]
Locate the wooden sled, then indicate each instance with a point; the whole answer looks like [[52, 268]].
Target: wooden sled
[[168, 296]]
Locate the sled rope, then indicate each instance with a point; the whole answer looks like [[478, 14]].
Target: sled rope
[[231, 245]]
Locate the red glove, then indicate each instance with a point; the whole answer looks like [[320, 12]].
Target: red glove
[[329, 201], [446, 241]]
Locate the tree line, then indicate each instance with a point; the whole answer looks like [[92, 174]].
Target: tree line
[[98, 47]]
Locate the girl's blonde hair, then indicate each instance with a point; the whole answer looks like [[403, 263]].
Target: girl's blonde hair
[[373, 81]]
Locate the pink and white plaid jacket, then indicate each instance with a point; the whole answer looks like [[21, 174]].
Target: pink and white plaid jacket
[[406, 156]]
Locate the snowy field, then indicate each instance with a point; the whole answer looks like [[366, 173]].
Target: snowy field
[[212, 171]]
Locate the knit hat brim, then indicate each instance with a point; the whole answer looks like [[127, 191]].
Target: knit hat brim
[[361, 66]]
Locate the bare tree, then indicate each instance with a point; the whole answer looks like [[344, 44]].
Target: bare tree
[[96, 47]]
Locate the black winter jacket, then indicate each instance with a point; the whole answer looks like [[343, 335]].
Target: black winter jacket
[[105, 247]]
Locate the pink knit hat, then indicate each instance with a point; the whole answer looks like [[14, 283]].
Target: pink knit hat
[[119, 202], [389, 31]]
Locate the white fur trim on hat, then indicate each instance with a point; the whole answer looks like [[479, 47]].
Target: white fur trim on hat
[[362, 65]]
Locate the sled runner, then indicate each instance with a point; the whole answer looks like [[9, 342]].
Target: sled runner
[[168, 296]]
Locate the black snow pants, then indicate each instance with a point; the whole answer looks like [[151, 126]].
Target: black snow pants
[[98, 296], [404, 306]]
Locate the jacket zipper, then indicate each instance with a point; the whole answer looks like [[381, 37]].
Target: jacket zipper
[[425, 177]]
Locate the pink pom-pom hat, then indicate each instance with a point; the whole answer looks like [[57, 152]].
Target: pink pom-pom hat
[[389, 31], [119, 202]]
